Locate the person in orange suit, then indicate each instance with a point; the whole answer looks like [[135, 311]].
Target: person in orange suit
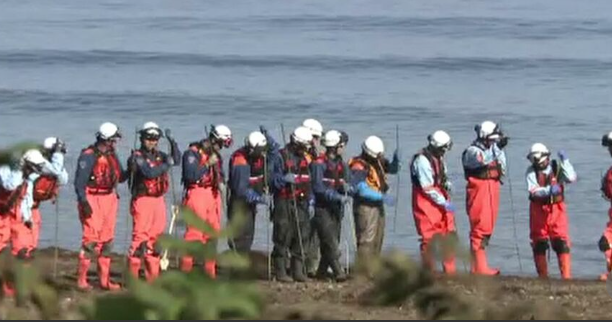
[[606, 190], [484, 164], [203, 178], [97, 175], [434, 214], [16, 207], [42, 186], [150, 183], [548, 222]]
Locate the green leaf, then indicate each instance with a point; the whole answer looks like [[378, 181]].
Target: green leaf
[[116, 307], [233, 260], [192, 248], [12, 155], [46, 300], [191, 219], [163, 303]]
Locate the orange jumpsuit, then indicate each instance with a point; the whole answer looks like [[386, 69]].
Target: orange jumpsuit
[[203, 196], [148, 209], [429, 197], [98, 173]]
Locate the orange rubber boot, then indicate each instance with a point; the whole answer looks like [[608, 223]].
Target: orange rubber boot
[[104, 264]]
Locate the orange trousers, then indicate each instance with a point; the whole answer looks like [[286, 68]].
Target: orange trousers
[[548, 222], [149, 222], [432, 220], [99, 228], [482, 201], [206, 203]]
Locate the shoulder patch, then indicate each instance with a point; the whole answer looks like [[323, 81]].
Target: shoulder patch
[[83, 164], [239, 159], [191, 159]]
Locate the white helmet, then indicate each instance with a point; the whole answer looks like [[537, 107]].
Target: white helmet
[[607, 140], [332, 139], [33, 157], [256, 140], [487, 130], [538, 153], [314, 126], [440, 139], [373, 146], [302, 135], [108, 131], [49, 143], [222, 133], [151, 130]]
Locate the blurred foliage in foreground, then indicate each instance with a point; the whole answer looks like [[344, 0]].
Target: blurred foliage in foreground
[[398, 280]]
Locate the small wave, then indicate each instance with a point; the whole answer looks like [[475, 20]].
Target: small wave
[[317, 62]]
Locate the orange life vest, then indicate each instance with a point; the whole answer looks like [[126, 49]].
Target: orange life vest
[[106, 172], [376, 177], [45, 188], [214, 176], [153, 187]]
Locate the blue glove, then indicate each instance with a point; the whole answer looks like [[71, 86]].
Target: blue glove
[[289, 178], [562, 155], [389, 200], [449, 207], [555, 190]]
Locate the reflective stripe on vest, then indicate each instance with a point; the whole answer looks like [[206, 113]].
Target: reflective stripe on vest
[[256, 165], [302, 187], [334, 174]]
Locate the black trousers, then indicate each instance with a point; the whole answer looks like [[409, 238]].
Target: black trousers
[[328, 225], [287, 233]]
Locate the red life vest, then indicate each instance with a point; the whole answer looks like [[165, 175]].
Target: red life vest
[[45, 188], [256, 177], [492, 171], [11, 199], [214, 176], [153, 187], [298, 165], [334, 174], [606, 184], [437, 166], [106, 172], [550, 179]]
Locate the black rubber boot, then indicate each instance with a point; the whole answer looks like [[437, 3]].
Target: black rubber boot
[[280, 271], [339, 274], [297, 268]]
